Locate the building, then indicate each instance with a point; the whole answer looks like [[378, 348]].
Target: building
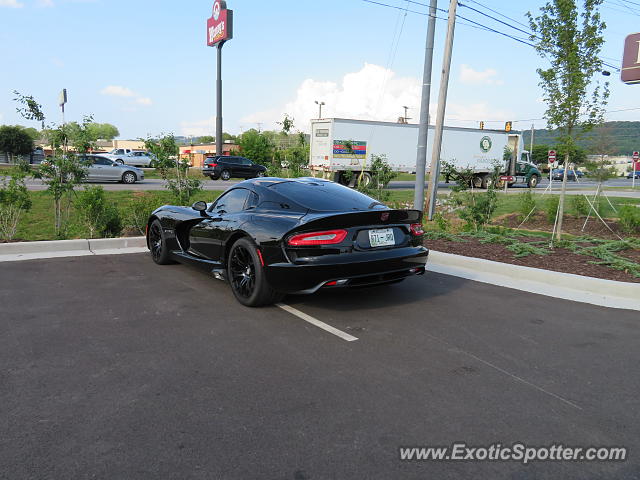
[[622, 163], [197, 152]]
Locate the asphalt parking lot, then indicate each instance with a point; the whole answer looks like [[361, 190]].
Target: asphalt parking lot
[[114, 367]]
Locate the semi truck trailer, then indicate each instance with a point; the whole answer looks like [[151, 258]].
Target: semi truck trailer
[[342, 148]]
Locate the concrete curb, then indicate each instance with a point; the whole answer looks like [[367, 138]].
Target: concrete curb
[[11, 252], [596, 291]]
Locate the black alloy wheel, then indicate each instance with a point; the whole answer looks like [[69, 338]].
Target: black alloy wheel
[[243, 271], [247, 277], [225, 175], [157, 244]]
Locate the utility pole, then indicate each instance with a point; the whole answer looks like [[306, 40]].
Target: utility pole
[[531, 147], [423, 130], [320, 104], [434, 172]]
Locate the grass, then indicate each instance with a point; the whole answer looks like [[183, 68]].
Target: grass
[[38, 223]]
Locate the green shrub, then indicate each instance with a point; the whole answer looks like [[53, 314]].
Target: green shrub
[[526, 204], [14, 202], [96, 214], [138, 211], [629, 218], [551, 208], [580, 205], [442, 222]]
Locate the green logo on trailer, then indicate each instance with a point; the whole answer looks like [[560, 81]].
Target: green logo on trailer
[[485, 144]]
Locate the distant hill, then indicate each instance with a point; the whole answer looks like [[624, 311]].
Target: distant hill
[[617, 138]]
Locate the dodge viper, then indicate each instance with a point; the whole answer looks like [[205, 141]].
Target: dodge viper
[[268, 237]]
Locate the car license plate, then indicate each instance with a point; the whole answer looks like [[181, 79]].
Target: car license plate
[[382, 237]]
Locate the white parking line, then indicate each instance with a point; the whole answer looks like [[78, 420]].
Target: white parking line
[[316, 322]]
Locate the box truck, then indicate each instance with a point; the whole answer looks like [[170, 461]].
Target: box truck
[[340, 146]]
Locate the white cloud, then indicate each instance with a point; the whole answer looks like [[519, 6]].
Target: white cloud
[[198, 128], [45, 3], [470, 76], [120, 91], [372, 93], [117, 91], [11, 4]]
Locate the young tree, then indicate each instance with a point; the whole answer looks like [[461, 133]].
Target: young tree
[[570, 38], [14, 201], [206, 139], [103, 131], [173, 170], [15, 140], [62, 172]]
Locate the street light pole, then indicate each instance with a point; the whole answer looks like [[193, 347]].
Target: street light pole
[[320, 104], [423, 129]]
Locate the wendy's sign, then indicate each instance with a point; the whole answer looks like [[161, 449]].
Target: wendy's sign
[[630, 72], [220, 25]]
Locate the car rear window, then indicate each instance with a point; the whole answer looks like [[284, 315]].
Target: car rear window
[[326, 196]]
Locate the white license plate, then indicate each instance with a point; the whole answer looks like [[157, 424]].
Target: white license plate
[[382, 237]]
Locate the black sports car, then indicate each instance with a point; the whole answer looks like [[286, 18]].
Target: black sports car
[[272, 236]]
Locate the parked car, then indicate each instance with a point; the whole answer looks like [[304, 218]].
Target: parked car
[[226, 167], [136, 158], [631, 174], [272, 236], [103, 169]]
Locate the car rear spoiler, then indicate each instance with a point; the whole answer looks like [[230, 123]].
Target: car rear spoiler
[[330, 220]]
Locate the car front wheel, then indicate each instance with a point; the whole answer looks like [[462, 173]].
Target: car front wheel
[[533, 181], [119, 162], [246, 276], [260, 174], [129, 177], [157, 244]]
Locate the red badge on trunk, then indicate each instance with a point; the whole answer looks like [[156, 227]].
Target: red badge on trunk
[[384, 216]]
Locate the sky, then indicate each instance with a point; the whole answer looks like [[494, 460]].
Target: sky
[[144, 66]]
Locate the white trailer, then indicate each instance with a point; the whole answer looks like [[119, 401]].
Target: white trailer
[[341, 145]]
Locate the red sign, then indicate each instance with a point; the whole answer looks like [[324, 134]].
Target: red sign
[[636, 156], [507, 178], [552, 155], [220, 25], [630, 72]]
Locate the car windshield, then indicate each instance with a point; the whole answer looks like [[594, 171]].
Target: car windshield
[[325, 196]]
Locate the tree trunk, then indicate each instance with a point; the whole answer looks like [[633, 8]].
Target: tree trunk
[[562, 195]]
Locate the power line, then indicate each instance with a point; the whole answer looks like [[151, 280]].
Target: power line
[[494, 18]]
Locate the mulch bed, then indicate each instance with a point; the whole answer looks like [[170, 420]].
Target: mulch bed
[[560, 260], [570, 224]]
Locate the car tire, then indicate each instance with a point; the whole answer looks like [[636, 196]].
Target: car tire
[[260, 174], [364, 179], [225, 175], [157, 244], [247, 277], [476, 181], [486, 181], [533, 181], [119, 162], [129, 177], [214, 177]]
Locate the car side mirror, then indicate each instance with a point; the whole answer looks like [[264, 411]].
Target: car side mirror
[[199, 206]]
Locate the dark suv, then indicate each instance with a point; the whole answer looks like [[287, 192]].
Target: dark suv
[[231, 167]]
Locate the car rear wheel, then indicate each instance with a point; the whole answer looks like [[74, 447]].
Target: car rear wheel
[[225, 175], [157, 244], [214, 177], [246, 276], [486, 181], [128, 177]]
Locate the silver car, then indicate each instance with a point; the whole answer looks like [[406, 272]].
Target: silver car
[[136, 158], [103, 169]]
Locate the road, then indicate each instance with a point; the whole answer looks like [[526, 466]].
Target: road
[[583, 187], [114, 367]]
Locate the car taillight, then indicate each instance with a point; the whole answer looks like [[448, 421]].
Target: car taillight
[[211, 164], [416, 229], [327, 237]]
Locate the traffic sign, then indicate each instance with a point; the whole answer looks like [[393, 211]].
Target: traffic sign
[[507, 178], [636, 156], [552, 155]]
